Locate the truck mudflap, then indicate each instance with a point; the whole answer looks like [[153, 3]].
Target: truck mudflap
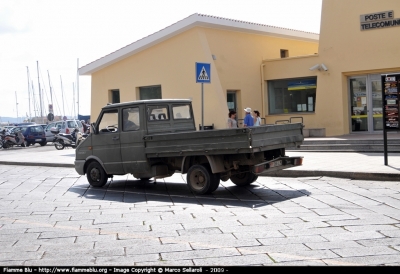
[[277, 164]]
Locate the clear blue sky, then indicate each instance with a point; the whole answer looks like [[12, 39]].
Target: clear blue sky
[[59, 35]]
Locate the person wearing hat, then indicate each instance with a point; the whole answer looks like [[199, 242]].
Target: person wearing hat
[[248, 119]]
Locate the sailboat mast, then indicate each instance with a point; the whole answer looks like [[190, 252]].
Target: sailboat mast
[[77, 83], [51, 94], [51, 106], [16, 104], [73, 100], [29, 96], [62, 95], [40, 94], [34, 100]]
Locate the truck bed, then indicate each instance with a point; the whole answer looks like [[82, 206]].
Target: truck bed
[[224, 141]]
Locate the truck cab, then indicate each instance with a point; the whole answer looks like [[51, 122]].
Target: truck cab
[[117, 139]]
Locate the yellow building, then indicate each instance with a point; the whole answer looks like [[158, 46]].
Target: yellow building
[[331, 81], [359, 41]]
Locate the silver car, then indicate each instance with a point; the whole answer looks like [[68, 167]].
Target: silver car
[[66, 127]]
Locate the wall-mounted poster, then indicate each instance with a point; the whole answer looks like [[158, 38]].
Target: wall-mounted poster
[[310, 104], [364, 101]]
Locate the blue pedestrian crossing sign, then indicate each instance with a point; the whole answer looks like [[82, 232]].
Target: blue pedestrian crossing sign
[[203, 73]]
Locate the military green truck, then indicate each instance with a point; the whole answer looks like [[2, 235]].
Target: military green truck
[[156, 138]]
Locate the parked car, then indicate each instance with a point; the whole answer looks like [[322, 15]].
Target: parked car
[[66, 127], [34, 134], [43, 125], [25, 124], [7, 128]]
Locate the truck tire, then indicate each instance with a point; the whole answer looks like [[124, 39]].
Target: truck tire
[[201, 180], [96, 175], [243, 179], [216, 178]]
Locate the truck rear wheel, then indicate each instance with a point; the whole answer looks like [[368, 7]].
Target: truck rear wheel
[[216, 178], [201, 180], [96, 175], [243, 179]]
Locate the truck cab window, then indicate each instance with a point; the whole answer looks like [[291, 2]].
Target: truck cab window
[[157, 113], [109, 121], [130, 119], [181, 112]]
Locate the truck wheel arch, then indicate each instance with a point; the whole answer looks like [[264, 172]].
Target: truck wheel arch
[[216, 163], [92, 159]]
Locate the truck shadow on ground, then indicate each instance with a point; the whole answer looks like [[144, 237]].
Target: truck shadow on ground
[[178, 194]]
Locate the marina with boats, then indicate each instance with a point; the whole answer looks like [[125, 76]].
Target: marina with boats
[[46, 102]]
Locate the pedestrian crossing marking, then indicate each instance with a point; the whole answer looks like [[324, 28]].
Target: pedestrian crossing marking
[[203, 75]]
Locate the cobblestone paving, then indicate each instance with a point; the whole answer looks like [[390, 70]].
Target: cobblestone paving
[[51, 216]]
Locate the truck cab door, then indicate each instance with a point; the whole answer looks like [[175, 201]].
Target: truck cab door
[[106, 143], [132, 145]]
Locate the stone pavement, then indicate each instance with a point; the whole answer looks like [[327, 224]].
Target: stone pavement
[[50, 216]]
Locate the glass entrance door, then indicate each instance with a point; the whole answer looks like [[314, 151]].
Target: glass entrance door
[[358, 95], [366, 103], [377, 104]]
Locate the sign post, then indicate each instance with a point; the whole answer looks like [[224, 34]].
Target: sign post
[[203, 75], [50, 116], [390, 99]]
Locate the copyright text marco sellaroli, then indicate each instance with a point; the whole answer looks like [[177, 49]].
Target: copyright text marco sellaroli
[[180, 269]]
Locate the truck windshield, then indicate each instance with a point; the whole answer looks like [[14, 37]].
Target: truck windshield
[[109, 121]]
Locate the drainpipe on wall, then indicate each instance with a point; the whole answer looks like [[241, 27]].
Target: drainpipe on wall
[[262, 90]]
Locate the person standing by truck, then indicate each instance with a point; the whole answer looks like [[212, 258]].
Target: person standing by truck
[[257, 118], [248, 119], [232, 123], [85, 128]]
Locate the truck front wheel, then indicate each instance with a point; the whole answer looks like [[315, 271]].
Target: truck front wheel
[[201, 180], [96, 175], [243, 179]]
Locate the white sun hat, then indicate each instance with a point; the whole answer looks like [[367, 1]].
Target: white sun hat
[[247, 109]]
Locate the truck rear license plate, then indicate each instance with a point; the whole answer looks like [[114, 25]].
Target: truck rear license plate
[[276, 163]]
